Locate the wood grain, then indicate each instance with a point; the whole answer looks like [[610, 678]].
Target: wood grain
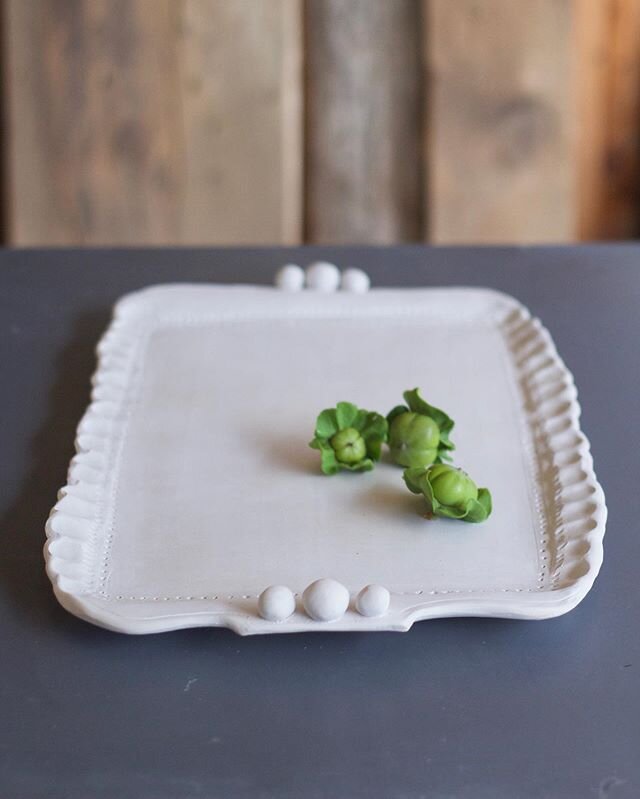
[[608, 91], [242, 103], [363, 118], [500, 121], [153, 121]]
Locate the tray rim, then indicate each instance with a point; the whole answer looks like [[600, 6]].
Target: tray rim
[[70, 527]]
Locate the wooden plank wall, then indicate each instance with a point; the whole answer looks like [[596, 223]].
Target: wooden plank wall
[[154, 121], [608, 66], [499, 121], [280, 121], [364, 121]]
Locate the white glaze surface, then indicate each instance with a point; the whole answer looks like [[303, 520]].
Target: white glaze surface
[[322, 276], [193, 487], [326, 600], [373, 600], [355, 280], [290, 278], [276, 603]]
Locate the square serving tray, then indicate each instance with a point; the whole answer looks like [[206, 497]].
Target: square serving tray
[[193, 487]]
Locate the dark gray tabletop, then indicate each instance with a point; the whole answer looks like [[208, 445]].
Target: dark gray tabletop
[[464, 709]]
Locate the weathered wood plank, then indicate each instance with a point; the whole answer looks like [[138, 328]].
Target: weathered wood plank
[[500, 130], [363, 103], [608, 90], [242, 102], [153, 121]]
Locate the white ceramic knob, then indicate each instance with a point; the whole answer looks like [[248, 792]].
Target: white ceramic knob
[[290, 278], [326, 600], [276, 603], [373, 600], [355, 280], [323, 276]]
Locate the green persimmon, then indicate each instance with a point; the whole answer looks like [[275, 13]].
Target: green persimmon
[[451, 486], [419, 432], [349, 446], [449, 492], [349, 438], [413, 439]]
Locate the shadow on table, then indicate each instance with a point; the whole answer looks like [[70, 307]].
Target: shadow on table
[[22, 574]]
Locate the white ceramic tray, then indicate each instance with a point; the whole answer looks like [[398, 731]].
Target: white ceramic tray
[[193, 487]]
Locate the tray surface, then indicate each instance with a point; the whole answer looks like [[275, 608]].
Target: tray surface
[[193, 488]]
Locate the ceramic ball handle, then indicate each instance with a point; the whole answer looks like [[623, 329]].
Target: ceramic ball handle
[[323, 277]]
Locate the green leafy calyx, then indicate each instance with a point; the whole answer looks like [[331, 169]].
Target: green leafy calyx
[[349, 438]]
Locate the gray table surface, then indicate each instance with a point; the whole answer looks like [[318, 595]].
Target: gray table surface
[[464, 708]]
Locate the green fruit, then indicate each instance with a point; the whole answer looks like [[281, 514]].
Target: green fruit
[[449, 492], [451, 486], [349, 438], [413, 439], [349, 446]]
